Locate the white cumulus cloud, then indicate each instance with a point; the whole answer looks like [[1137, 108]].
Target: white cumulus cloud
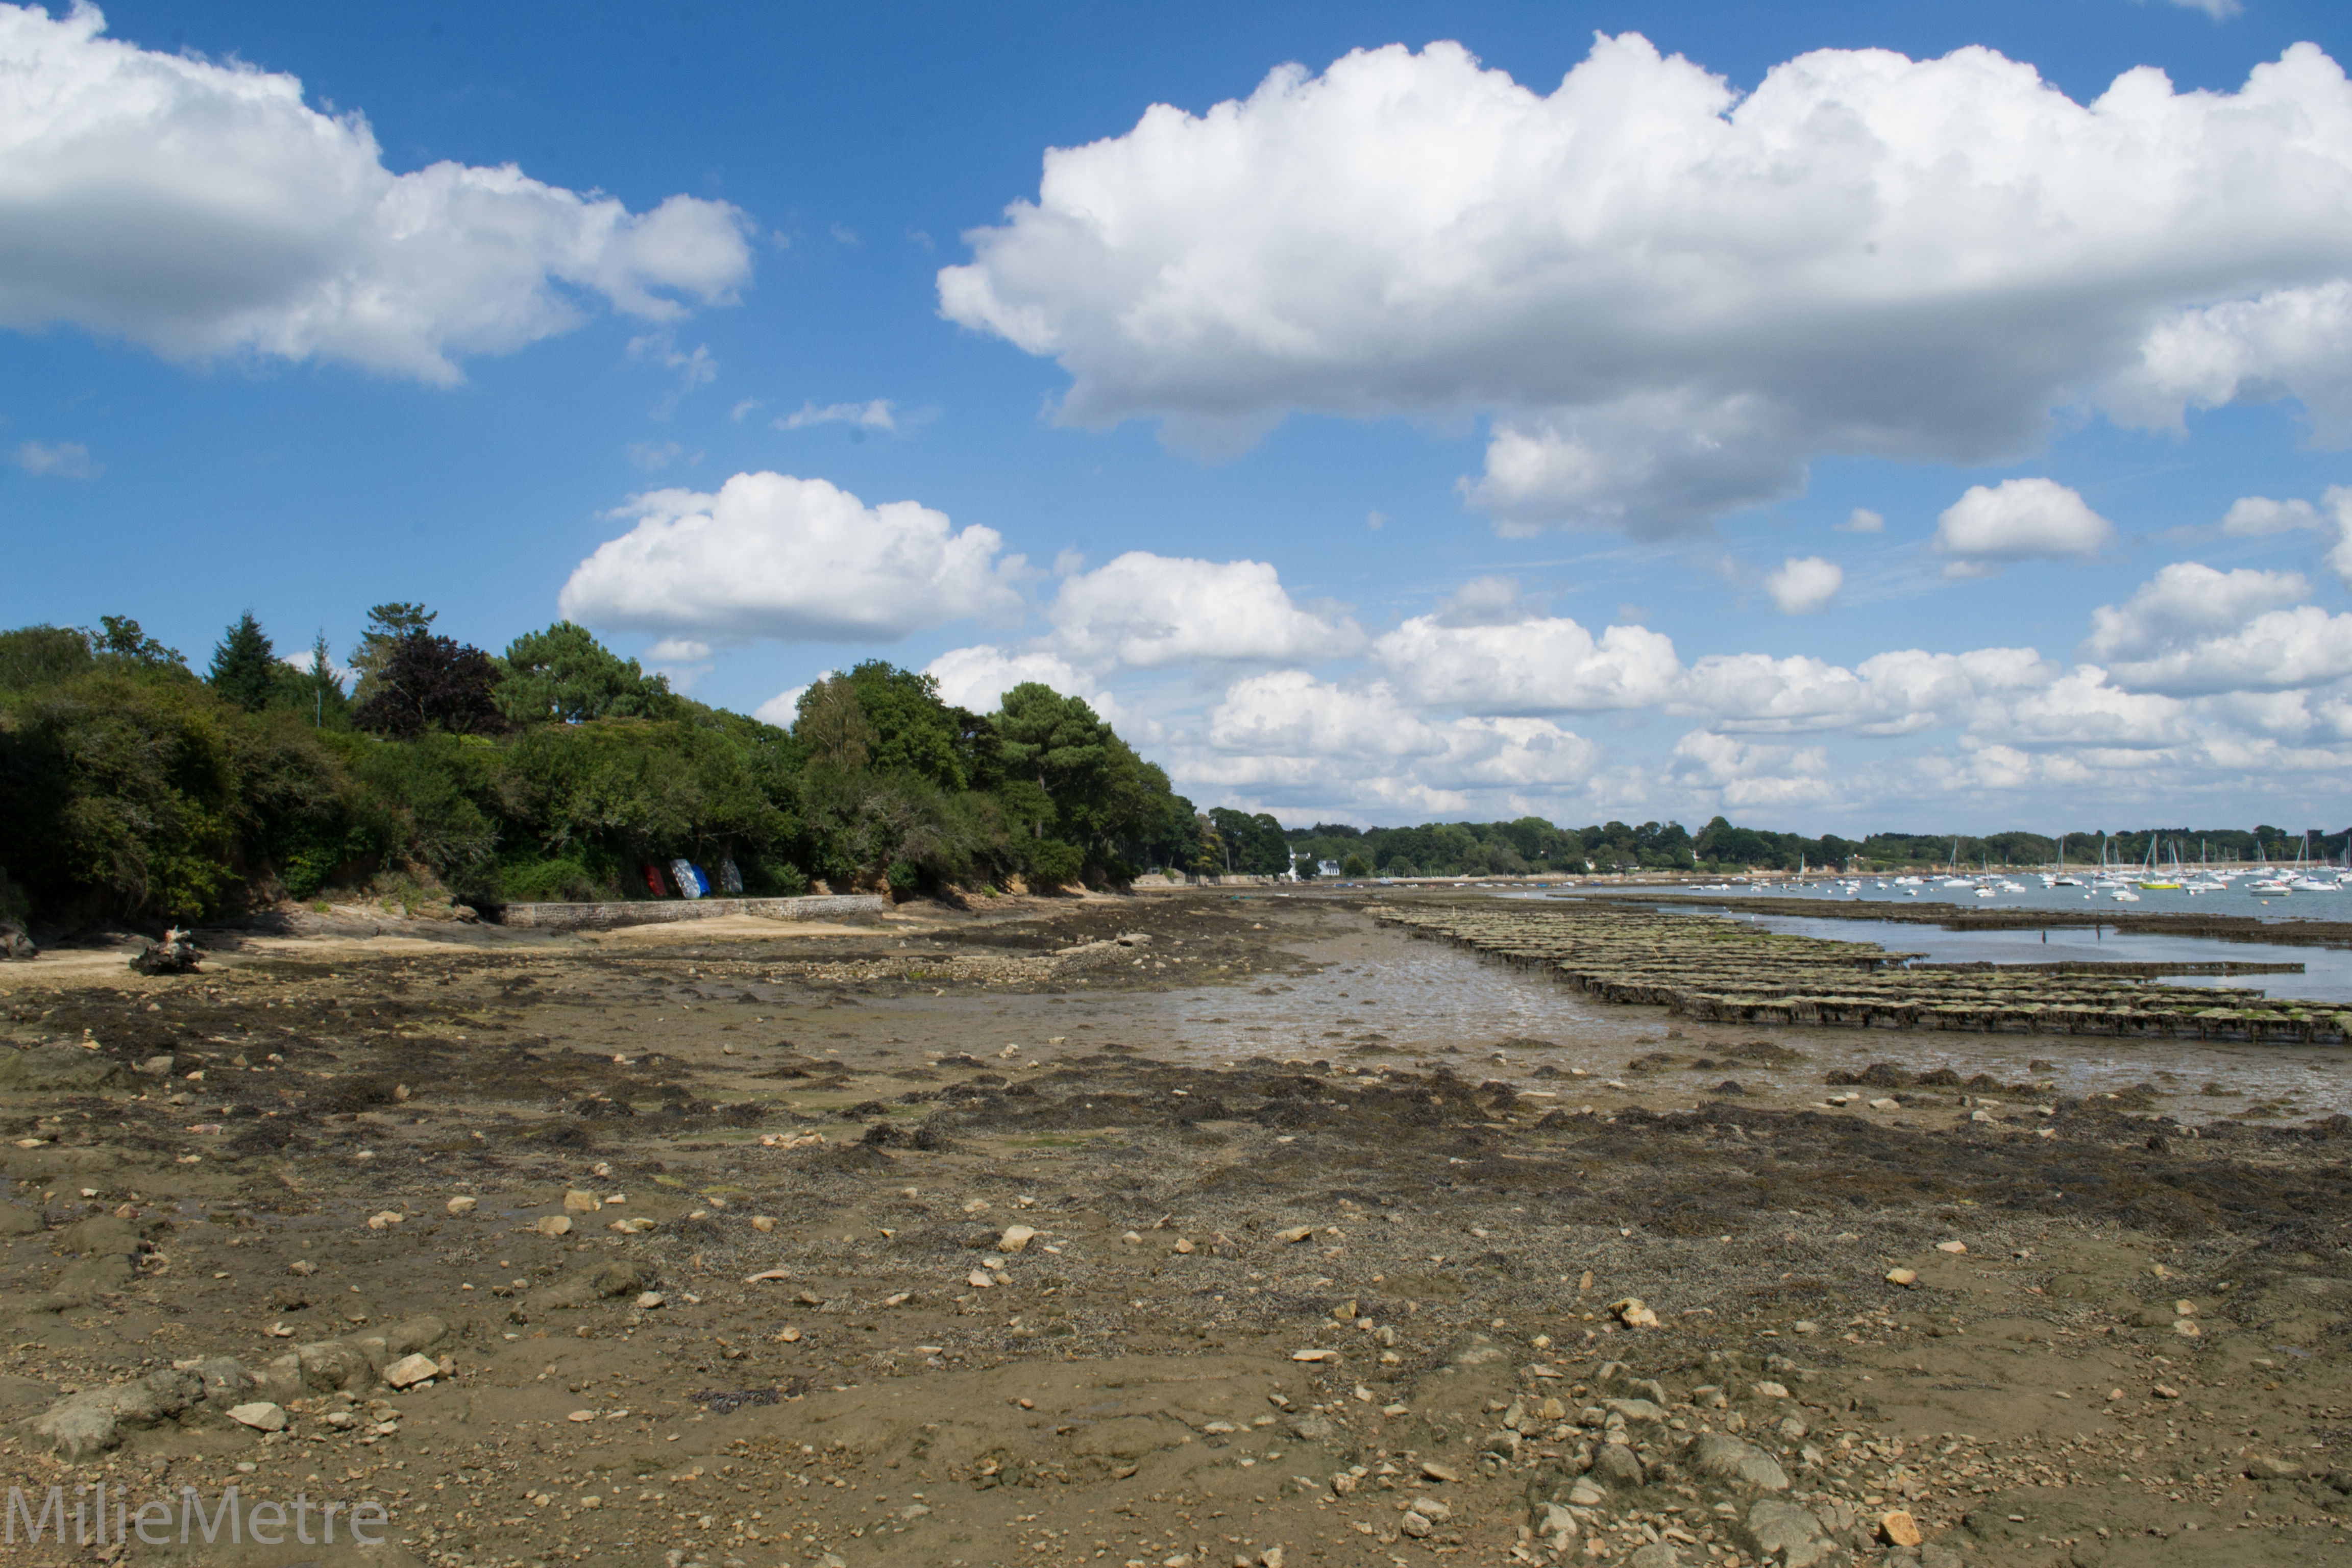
[[1672, 296], [2021, 520], [1146, 611], [875, 415], [1539, 664], [2185, 602], [200, 208], [2252, 517], [769, 555], [1804, 584]]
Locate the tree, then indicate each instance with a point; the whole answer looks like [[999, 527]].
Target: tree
[[244, 665], [912, 730], [1057, 743], [389, 625], [433, 683], [41, 656], [830, 721], [120, 641], [1355, 866], [564, 675]]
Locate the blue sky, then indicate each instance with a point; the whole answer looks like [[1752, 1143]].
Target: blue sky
[[1422, 439]]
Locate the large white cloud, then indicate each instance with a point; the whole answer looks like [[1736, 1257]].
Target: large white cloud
[[199, 209], [769, 555], [1288, 731], [1672, 297], [1146, 611], [2187, 601], [2021, 520], [1535, 664]]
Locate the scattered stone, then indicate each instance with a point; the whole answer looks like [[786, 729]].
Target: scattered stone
[[1016, 1237], [411, 1370], [1616, 1467], [1771, 1391], [1897, 1527], [648, 1300], [763, 1224], [1727, 1458], [1903, 1277], [1952, 1247], [1656, 1555], [2271, 1467], [386, 1219], [577, 1201], [555, 1225], [261, 1414], [1784, 1531], [1294, 1233], [1633, 1313], [464, 1206], [1415, 1525], [1434, 1471]]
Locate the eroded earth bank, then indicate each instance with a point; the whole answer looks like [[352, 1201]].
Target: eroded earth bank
[[985, 1237]]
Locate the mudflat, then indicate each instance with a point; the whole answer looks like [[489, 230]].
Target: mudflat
[[1098, 1231]]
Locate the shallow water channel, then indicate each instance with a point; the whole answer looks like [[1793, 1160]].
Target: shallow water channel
[[1383, 995]]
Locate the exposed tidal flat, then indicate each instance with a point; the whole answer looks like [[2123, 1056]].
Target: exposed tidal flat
[[1181, 1228]]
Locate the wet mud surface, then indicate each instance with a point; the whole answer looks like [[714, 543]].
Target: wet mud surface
[[1176, 1228]]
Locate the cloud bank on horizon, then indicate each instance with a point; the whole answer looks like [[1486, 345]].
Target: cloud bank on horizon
[[1670, 298]]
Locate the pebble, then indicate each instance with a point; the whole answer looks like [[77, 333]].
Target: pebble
[[464, 1206], [262, 1415], [979, 1280], [1294, 1233], [1437, 1472], [763, 1223], [385, 1220], [555, 1224], [410, 1370], [1633, 1313], [1016, 1237], [1899, 1528], [1314, 1355], [1954, 1248], [1905, 1277], [576, 1202], [648, 1300]]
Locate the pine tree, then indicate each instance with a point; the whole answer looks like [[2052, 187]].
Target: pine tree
[[325, 687], [244, 664]]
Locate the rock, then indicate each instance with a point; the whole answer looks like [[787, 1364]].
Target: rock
[[1771, 1391], [386, 1219], [324, 1366], [91, 1422], [555, 1225], [411, 1370], [1294, 1233], [103, 1235], [1415, 1525], [1311, 1428], [1016, 1239], [648, 1300], [225, 1378], [464, 1206], [1584, 1494], [1437, 1472], [590, 1284], [578, 1202], [1897, 1527], [2154, 1317], [1616, 1466], [1633, 1313], [1271, 1557], [64, 1067], [262, 1415], [1657, 1554], [1505, 1443], [1954, 1247], [1636, 1409], [2271, 1467], [159, 1065], [175, 954], [1432, 1508], [1730, 1459], [1903, 1277], [14, 943], [1477, 1351], [1780, 1530]]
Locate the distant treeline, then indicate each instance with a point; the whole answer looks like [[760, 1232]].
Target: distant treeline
[[1530, 846], [132, 787]]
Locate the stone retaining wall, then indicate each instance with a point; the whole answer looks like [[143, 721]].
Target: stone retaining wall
[[650, 912]]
